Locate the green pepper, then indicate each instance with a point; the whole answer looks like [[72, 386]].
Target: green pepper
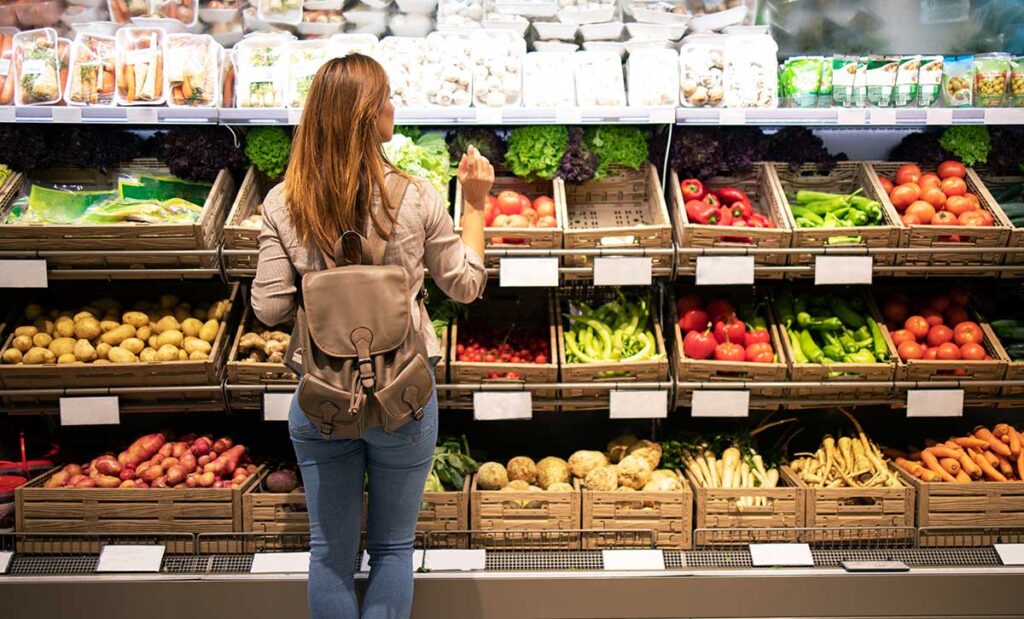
[[833, 348], [860, 356], [871, 208], [846, 314], [863, 333], [570, 343], [849, 344], [881, 349], [826, 206], [858, 218], [803, 213], [645, 352], [798, 353], [843, 240], [810, 348]]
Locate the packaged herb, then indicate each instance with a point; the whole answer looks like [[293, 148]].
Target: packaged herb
[[844, 77], [907, 77], [958, 80], [800, 80], [991, 72], [880, 79], [929, 80]]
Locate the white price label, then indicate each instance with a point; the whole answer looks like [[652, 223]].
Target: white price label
[[23, 274], [7, 114], [276, 406], [66, 114], [90, 411], [498, 406], [626, 560], [727, 116], [488, 115], [781, 555], [875, 566], [939, 116], [1003, 116], [622, 271], [294, 116], [935, 403], [417, 561], [5, 66], [141, 115], [131, 558], [455, 560], [5, 561], [528, 272], [663, 116], [280, 563], [637, 404], [725, 270], [830, 270], [883, 117], [568, 116], [720, 403], [1010, 554], [850, 116]]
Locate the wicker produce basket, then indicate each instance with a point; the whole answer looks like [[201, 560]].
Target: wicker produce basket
[[961, 370], [937, 238], [623, 211], [542, 520], [1014, 369], [204, 233], [722, 521], [845, 178], [668, 514], [248, 202], [861, 513], [520, 238], [989, 189], [758, 186]]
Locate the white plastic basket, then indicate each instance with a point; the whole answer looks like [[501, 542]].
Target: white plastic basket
[[712, 22]]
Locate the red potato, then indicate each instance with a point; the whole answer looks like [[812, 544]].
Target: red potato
[[240, 471], [223, 444], [252, 468], [188, 460], [218, 484], [86, 483], [153, 473], [127, 475], [169, 462], [166, 450], [203, 461], [72, 469], [127, 484], [206, 480], [108, 481], [176, 474], [75, 479], [159, 482], [57, 480], [157, 459], [202, 446], [226, 462], [179, 449], [192, 481], [109, 466]]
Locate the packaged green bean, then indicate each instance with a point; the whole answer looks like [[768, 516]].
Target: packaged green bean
[[880, 79], [800, 80], [958, 80], [929, 80], [844, 79], [991, 72], [1017, 81], [907, 76]]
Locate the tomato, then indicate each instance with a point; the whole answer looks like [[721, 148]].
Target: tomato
[[544, 206], [942, 218], [886, 183], [974, 199], [987, 217], [902, 335], [911, 220], [968, 332], [933, 196], [524, 202], [949, 352], [903, 195], [500, 221], [958, 205], [955, 315], [939, 302], [760, 353], [929, 181], [939, 334], [547, 221], [908, 173], [952, 168], [918, 326], [932, 316], [490, 210], [959, 297], [922, 210], [953, 186], [895, 310], [972, 352], [694, 320], [529, 214], [972, 218], [910, 350], [509, 203], [931, 354], [518, 221]]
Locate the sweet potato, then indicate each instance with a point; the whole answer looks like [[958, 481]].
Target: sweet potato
[[188, 460], [86, 483], [203, 461], [152, 473], [226, 462], [127, 484], [72, 469], [192, 480], [108, 481], [179, 449], [176, 474], [57, 480], [107, 465]]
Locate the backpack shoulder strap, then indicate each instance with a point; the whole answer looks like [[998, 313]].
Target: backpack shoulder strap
[[395, 186]]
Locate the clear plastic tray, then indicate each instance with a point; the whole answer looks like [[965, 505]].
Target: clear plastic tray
[[751, 72], [323, 5], [653, 78], [548, 80], [362, 16], [343, 44], [304, 59], [168, 25], [261, 66], [140, 66], [192, 70], [7, 72], [497, 69], [555, 31], [515, 24], [459, 15], [599, 79], [526, 8], [609, 31], [219, 16], [633, 47], [229, 37], [712, 22], [702, 71], [122, 11], [448, 70], [279, 11], [404, 59], [658, 12], [418, 7], [377, 4], [107, 28], [655, 32], [88, 3], [180, 10], [82, 14], [320, 24]]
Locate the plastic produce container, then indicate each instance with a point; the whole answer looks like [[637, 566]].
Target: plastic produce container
[[262, 71], [38, 78], [39, 13], [599, 80], [405, 60], [7, 73], [192, 67], [343, 44], [609, 31], [555, 31], [653, 79], [279, 11], [457, 15], [702, 71], [411, 25], [122, 11], [91, 71], [615, 47], [140, 62], [181, 10], [658, 12], [448, 72], [715, 16], [751, 72], [548, 80], [497, 69], [304, 59]]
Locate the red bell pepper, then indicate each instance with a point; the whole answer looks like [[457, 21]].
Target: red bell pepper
[[693, 189], [725, 218], [699, 344], [740, 210], [728, 195], [757, 336], [760, 353], [700, 212], [727, 351], [713, 200]]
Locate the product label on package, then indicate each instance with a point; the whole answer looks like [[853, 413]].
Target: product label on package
[[929, 80], [138, 56], [907, 77], [880, 80], [844, 76], [34, 66], [5, 66]]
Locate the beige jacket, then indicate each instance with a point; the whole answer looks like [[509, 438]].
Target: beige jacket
[[423, 236]]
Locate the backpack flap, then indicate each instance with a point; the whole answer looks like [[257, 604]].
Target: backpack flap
[[404, 398]]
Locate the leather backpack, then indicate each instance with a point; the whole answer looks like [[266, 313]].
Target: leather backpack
[[364, 365]]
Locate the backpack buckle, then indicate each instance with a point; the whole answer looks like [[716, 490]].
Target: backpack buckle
[[327, 429], [417, 414], [366, 373]]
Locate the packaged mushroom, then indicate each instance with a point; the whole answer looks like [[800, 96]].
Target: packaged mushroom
[[548, 80], [702, 70], [193, 70], [262, 70], [751, 72], [91, 70], [653, 79], [304, 60], [599, 79], [457, 15], [448, 73], [404, 60], [497, 68]]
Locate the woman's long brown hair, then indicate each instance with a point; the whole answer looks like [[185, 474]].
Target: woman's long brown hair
[[337, 162]]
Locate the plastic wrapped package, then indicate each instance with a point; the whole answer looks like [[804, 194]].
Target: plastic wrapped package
[[1016, 94], [716, 15], [181, 10], [958, 80], [702, 70], [555, 47], [555, 31], [991, 74], [497, 69], [227, 33], [608, 31], [39, 13], [516, 24], [227, 78], [343, 44], [63, 62], [78, 14], [929, 80], [261, 66], [587, 11], [364, 20], [800, 81], [122, 11], [616, 47], [599, 79], [320, 23], [192, 67], [411, 25], [7, 73], [456, 15], [219, 12], [653, 79], [907, 77], [657, 11], [140, 66], [655, 32], [279, 11], [37, 67], [405, 61], [448, 70], [304, 59], [751, 72], [880, 77], [548, 80]]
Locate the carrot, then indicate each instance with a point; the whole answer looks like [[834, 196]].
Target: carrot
[[1005, 467], [108, 82], [970, 441], [951, 465], [229, 88], [927, 475], [122, 10], [933, 465], [968, 466], [913, 468], [994, 443], [1020, 466], [158, 61], [1015, 449], [963, 478], [941, 451], [131, 83], [987, 469], [991, 458], [186, 87]]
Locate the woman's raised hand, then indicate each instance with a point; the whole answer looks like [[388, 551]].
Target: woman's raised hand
[[476, 175]]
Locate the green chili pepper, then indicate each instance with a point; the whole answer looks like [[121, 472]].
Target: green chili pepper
[[881, 350], [810, 348], [846, 314], [798, 352]]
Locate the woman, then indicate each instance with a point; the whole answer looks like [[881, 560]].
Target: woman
[[334, 183]]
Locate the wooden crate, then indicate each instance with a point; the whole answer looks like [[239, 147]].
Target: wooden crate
[[119, 511], [935, 238], [847, 385], [554, 522], [251, 373], [862, 513], [155, 373], [962, 370], [668, 514], [717, 508], [1014, 369], [964, 507], [711, 371], [254, 189], [204, 233], [622, 211], [520, 238], [989, 186], [759, 188], [635, 371], [846, 177], [537, 313]]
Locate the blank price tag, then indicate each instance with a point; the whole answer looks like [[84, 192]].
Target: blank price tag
[[781, 555], [280, 563], [90, 411], [5, 561], [131, 558], [883, 117], [725, 270], [637, 404], [1003, 116], [7, 114], [23, 274], [141, 115], [850, 116], [720, 403], [624, 560], [417, 561], [528, 272], [728, 116], [294, 116], [497, 406], [663, 116], [939, 116], [935, 403], [829, 270], [1009, 554], [66, 114], [875, 566], [568, 116], [488, 115], [455, 560], [276, 406], [622, 271]]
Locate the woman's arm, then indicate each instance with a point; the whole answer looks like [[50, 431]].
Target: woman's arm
[[273, 289], [476, 175]]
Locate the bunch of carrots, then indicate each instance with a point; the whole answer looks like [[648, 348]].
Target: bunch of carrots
[[984, 455]]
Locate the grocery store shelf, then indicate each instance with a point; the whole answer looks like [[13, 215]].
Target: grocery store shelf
[[851, 117]]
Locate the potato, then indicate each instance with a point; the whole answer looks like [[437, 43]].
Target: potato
[[182, 315], [66, 358], [84, 351], [133, 344], [26, 331], [167, 323], [120, 355], [43, 326], [147, 355], [170, 336], [42, 340], [143, 333], [22, 342], [218, 309], [101, 362], [64, 327], [62, 346], [109, 325], [194, 344], [167, 353], [102, 350], [12, 356], [135, 319], [190, 327], [182, 355], [82, 315], [209, 330], [198, 355], [151, 342], [168, 301], [35, 356], [89, 328], [118, 335], [33, 311]]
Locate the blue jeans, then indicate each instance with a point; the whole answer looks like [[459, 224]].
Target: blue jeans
[[397, 464]]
